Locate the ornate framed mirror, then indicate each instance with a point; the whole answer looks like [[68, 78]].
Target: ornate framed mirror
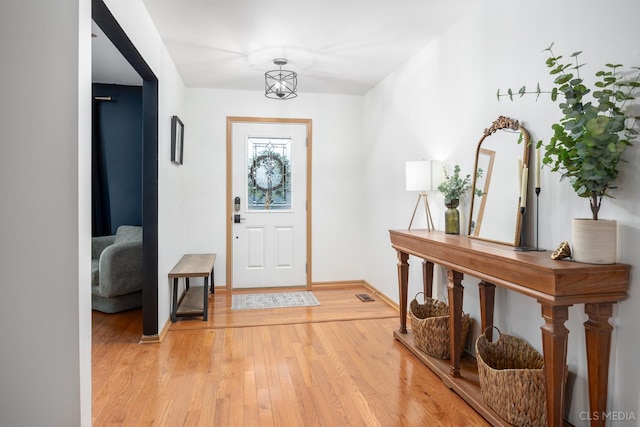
[[501, 152]]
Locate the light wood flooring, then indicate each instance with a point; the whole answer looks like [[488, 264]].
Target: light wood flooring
[[336, 364]]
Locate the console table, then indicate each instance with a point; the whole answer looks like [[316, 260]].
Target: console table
[[556, 285]]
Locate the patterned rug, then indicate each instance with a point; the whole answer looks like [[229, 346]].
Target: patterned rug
[[273, 300]]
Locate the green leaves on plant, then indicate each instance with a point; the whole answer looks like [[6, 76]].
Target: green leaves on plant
[[556, 70], [522, 92], [454, 187], [560, 80], [590, 138], [597, 125]]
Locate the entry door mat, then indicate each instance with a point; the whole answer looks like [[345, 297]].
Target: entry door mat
[[273, 300]]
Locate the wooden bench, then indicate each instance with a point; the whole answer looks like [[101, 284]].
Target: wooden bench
[[192, 265]]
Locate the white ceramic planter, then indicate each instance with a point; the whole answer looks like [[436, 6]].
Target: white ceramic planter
[[594, 242]]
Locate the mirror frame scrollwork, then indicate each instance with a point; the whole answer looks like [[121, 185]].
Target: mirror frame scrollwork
[[502, 123]]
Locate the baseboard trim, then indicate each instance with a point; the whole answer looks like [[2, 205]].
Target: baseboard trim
[[382, 295], [338, 284], [156, 339], [353, 283], [341, 284]]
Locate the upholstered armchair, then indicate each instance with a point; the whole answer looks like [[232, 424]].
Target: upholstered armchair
[[116, 270]]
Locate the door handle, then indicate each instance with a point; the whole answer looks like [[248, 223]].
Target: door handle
[[237, 218]]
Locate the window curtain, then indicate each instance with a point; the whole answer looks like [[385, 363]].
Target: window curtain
[[100, 210]]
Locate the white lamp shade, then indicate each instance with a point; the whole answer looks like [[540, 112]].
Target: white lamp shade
[[423, 175]]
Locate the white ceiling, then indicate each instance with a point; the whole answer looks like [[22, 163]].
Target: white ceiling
[[335, 46]]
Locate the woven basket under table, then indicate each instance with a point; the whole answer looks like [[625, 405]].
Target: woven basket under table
[[430, 327], [512, 380]]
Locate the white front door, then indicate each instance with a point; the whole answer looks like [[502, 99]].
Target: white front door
[[269, 187]]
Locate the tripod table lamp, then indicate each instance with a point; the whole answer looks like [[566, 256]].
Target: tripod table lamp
[[423, 176]]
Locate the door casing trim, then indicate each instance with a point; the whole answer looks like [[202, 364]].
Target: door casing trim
[[231, 120]]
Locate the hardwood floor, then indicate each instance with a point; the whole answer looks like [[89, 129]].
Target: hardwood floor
[[332, 365]]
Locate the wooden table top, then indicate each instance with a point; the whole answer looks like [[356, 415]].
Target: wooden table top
[[193, 265], [531, 273]]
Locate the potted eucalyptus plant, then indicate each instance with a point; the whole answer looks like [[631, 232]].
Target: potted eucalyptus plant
[[589, 140], [453, 188]]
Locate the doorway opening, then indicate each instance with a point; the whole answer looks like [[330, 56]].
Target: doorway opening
[[110, 27]]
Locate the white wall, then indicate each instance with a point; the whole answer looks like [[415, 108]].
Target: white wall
[[84, 209], [337, 181], [44, 170], [438, 104]]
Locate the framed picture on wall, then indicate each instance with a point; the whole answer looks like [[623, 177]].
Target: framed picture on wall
[[177, 140]]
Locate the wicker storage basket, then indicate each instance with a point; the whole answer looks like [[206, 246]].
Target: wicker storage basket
[[512, 380], [430, 327]]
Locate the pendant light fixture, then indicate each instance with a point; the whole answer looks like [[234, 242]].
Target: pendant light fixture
[[280, 84]]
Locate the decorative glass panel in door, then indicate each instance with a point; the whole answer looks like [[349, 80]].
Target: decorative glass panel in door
[[269, 174]]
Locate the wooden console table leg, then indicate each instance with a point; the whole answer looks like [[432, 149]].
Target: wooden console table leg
[[427, 278], [554, 346], [403, 285], [456, 293], [487, 303], [598, 338]]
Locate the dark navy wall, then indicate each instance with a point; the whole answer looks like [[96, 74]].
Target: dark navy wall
[[120, 130]]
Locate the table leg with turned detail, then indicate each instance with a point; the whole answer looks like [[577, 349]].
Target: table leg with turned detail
[[554, 345], [598, 339], [427, 278], [456, 293], [487, 303], [403, 286]]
